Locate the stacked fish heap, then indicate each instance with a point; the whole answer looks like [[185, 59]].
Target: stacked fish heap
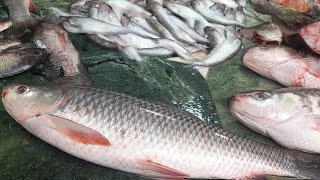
[[15, 57], [202, 32], [61, 60], [290, 116], [147, 138]]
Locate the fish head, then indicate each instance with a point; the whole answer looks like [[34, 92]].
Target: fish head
[[75, 24], [170, 4], [260, 110], [269, 32], [263, 58], [34, 54], [23, 102]]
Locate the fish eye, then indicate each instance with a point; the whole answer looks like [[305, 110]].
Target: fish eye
[[21, 89], [37, 53], [261, 96]]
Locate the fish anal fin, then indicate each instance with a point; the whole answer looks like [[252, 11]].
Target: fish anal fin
[[33, 8], [77, 132], [157, 171]]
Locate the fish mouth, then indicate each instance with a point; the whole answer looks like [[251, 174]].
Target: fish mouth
[[231, 101], [244, 119]]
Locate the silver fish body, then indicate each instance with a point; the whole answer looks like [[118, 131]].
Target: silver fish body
[[289, 116], [166, 21], [224, 51], [120, 7], [151, 139], [201, 8]]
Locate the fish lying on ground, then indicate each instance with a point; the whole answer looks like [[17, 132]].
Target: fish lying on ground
[[284, 65], [20, 12], [64, 59], [9, 43], [150, 139], [289, 116], [16, 61], [264, 33], [226, 50]]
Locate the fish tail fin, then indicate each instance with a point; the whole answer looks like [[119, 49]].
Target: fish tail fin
[[308, 165]]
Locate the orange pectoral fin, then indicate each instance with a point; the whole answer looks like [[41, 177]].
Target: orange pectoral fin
[[158, 171], [77, 132], [33, 8]]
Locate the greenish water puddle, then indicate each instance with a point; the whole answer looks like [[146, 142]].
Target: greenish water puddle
[[23, 156]]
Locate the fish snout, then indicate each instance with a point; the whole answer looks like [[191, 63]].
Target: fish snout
[[234, 99], [4, 93], [8, 92]]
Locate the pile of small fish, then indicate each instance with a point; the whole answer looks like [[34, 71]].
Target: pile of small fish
[[151, 139], [161, 28]]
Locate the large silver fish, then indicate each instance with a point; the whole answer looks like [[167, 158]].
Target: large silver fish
[[289, 116], [284, 65], [150, 139]]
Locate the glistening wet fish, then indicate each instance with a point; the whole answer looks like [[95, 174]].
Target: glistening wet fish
[[200, 7], [20, 12], [224, 51], [132, 40], [191, 16], [150, 139], [19, 60], [64, 58], [94, 26], [120, 7], [164, 18], [264, 33], [284, 65], [289, 116]]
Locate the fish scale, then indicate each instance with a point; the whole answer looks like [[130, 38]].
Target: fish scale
[[17, 61], [19, 12], [166, 132]]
